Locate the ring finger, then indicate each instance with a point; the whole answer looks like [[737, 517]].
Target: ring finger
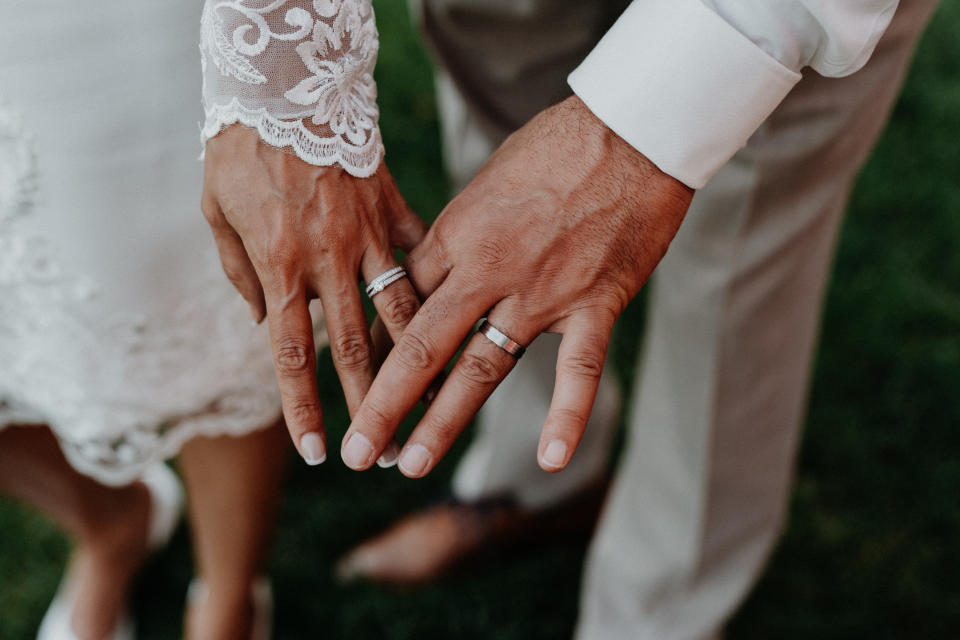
[[395, 299], [396, 304], [479, 370]]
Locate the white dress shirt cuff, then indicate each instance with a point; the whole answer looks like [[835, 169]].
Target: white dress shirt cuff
[[681, 85]]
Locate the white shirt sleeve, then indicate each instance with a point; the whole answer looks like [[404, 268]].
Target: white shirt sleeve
[[298, 71], [686, 82]]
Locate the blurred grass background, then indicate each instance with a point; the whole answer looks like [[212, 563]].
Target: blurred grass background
[[871, 550]]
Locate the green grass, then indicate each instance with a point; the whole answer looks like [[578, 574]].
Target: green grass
[[871, 547]]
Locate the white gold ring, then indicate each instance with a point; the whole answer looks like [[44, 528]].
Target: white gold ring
[[501, 339], [385, 279]]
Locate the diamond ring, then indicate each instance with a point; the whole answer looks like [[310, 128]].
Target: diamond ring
[[384, 280]]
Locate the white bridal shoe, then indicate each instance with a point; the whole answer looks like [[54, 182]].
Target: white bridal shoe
[[261, 594], [166, 500]]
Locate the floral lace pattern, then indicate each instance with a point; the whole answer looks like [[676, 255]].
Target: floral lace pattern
[[298, 71]]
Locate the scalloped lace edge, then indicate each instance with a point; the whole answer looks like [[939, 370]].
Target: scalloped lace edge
[[361, 162]]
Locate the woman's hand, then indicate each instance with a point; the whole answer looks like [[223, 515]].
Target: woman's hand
[[288, 231]]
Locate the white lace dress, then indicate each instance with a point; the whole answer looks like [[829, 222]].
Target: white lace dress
[[117, 326]]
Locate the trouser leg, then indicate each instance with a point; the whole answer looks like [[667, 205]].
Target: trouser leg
[[466, 144], [701, 492]]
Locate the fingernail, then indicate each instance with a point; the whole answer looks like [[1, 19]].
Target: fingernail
[[414, 460], [357, 451], [312, 449], [555, 454], [389, 456]]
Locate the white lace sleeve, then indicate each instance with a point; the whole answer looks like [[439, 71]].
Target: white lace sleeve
[[298, 71]]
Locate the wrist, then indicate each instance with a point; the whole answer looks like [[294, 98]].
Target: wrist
[[597, 136], [681, 85]]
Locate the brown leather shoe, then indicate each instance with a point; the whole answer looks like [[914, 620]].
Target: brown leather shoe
[[426, 544]]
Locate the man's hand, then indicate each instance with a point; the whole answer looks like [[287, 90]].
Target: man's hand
[[288, 231], [558, 232]]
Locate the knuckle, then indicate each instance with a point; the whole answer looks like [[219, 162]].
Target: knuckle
[[209, 211], [568, 418], [218, 224], [414, 352], [209, 216], [440, 245], [293, 357], [399, 310], [351, 348], [587, 365], [376, 418], [612, 298], [491, 255], [235, 275], [442, 430], [479, 370], [302, 411]]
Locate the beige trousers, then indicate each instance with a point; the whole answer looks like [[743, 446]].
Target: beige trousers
[[701, 491]]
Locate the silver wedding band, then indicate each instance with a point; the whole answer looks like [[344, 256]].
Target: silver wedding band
[[501, 339], [385, 279]]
